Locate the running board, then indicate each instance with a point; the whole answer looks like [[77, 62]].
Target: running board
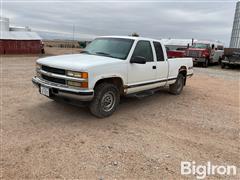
[[144, 94]]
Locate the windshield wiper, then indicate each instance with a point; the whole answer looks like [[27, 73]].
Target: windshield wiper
[[104, 54]]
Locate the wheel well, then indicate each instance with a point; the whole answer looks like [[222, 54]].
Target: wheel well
[[113, 80], [183, 71]]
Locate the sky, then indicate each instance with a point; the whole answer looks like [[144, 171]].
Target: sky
[[199, 19]]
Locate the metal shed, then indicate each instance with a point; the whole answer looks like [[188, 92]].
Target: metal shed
[[12, 42]]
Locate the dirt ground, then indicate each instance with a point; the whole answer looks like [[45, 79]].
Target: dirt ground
[[145, 139]]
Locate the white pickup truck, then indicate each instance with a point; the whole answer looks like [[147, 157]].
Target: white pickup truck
[[111, 67]]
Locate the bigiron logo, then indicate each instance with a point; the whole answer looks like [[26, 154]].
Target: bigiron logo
[[208, 169]]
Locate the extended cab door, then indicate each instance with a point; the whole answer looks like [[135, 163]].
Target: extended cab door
[[141, 75], [162, 63]]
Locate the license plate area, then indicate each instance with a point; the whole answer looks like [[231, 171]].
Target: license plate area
[[45, 91]]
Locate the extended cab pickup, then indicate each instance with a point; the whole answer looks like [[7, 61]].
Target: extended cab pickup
[[111, 67]]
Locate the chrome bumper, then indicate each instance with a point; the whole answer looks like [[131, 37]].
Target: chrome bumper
[[63, 91]]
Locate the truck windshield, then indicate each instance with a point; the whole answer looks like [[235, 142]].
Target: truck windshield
[[110, 47], [201, 46]]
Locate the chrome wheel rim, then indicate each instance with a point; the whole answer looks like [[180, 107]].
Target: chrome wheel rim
[[108, 101]]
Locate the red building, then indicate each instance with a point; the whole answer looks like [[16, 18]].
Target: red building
[[16, 42]]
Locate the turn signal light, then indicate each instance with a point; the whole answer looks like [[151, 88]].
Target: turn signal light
[[84, 84], [84, 75]]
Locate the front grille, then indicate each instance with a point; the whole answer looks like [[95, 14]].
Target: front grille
[[53, 70], [55, 80], [194, 54]]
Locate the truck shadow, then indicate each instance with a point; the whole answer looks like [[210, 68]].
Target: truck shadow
[[50, 110]]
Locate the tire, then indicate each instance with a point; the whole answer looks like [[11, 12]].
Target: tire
[[105, 101], [205, 64], [222, 65], [177, 87], [231, 66], [220, 60]]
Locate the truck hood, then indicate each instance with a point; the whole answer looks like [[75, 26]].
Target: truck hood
[[77, 62]]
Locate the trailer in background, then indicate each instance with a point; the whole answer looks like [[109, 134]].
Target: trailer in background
[[176, 48]]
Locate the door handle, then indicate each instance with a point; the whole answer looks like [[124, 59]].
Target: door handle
[[154, 67]]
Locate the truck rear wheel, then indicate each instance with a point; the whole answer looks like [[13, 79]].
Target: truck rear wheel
[[177, 87], [222, 65], [105, 101]]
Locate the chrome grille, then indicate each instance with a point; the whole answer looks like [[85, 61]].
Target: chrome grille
[[56, 75], [48, 77], [194, 54], [53, 70], [55, 80]]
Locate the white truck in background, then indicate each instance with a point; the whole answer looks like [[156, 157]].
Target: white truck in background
[[111, 67]]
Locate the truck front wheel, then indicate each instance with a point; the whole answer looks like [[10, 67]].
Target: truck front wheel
[[177, 87], [206, 63], [105, 101]]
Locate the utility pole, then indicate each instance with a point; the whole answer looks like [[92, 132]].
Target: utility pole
[[73, 36]]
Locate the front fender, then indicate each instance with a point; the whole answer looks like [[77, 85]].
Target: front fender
[[108, 76]]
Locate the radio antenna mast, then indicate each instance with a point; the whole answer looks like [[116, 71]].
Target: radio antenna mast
[[73, 36]]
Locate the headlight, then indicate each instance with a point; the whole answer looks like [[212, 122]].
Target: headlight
[[38, 66], [73, 83], [77, 74], [78, 84]]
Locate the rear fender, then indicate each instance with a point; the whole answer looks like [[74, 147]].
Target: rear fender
[[183, 70]]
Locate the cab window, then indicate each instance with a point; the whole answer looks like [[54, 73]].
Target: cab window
[[143, 49], [220, 47], [159, 51]]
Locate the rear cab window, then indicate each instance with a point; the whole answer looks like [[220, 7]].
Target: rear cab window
[[158, 50]]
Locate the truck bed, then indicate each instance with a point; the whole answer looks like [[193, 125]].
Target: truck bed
[[229, 51]]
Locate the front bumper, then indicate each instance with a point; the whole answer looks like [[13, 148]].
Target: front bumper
[[62, 91]]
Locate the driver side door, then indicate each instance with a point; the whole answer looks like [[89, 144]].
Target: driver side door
[[140, 76]]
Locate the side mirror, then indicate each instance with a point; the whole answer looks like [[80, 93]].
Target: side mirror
[[138, 60]]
